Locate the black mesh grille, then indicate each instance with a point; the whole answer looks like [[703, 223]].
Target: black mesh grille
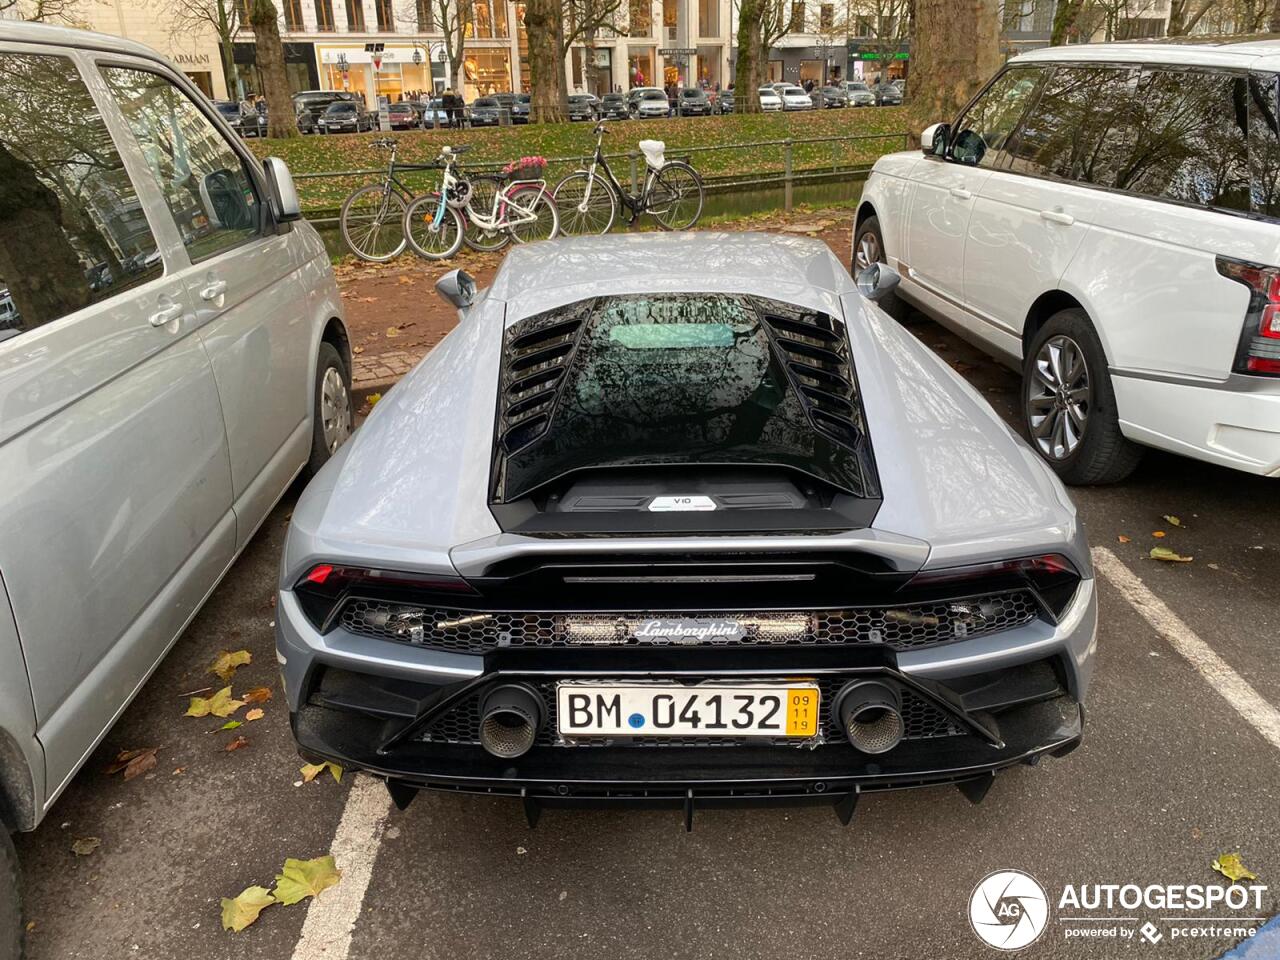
[[901, 627], [922, 721]]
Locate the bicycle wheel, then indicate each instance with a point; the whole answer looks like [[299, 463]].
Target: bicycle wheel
[[432, 233], [370, 223], [675, 196], [546, 222], [582, 215], [483, 190]]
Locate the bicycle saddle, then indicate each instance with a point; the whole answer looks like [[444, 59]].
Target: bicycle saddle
[[461, 148], [654, 153]]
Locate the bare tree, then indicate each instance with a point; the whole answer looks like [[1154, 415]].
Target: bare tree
[[553, 27], [453, 17], [955, 49], [761, 24], [44, 11], [188, 17], [269, 52], [1185, 15], [887, 24]]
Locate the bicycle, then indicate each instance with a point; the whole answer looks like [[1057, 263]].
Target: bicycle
[[371, 221], [588, 202], [520, 209]]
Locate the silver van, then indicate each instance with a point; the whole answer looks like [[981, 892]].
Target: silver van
[[172, 355]]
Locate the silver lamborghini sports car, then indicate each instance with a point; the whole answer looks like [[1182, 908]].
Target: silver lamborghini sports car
[[684, 519]]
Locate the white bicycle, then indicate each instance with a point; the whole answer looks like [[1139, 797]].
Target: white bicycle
[[520, 209]]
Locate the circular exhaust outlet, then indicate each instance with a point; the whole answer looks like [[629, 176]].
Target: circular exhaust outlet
[[510, 718], [870, 714]]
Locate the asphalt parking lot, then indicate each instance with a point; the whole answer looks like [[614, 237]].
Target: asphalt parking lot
[[1179, 765]]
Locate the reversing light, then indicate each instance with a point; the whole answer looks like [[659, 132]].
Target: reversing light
[[1259, 349]]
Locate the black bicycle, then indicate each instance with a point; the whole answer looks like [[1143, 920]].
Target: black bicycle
[[372, 217], [588, 203]]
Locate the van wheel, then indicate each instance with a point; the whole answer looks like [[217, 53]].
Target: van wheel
[[11, 933], [868, 248], [1069, 406], [332, 407]]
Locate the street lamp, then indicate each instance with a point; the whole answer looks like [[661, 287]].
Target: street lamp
[[343, 68]]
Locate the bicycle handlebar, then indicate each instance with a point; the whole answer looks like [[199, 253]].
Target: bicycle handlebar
[[388, 143], [600, 129]]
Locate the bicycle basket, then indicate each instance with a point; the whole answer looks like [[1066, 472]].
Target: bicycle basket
[[526, 168]]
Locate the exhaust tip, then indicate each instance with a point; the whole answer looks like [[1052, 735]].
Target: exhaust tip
[[510, 719], [870, 714]]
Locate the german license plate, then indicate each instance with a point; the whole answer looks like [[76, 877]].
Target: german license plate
[[671, 710]]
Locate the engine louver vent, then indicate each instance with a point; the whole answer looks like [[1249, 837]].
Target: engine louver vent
[[815, 352], [536, 356]]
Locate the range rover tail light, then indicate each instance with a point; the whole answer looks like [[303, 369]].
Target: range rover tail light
[[1259, 350]]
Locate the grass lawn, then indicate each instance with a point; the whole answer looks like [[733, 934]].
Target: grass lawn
[[316, 154]]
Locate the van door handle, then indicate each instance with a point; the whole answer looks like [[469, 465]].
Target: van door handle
[[213, 290], [960, 193], [166, 314], [1057, 216]]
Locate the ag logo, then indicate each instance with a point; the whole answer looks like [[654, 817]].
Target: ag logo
[[1008, 910]]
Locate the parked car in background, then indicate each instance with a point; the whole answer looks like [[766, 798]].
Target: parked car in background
[[794, 98], [613, 106], [829, 97], [253, 123], [635, 94], [10, 317], [485, 112], [860, 94], [724, 101], [673, 568], [154, 411], [769, 99], [887, 95], [309, 106], [1107, 219], [346, 116], [404, 116], [651, 103], [520, 107], [694, 102], [582, 106]]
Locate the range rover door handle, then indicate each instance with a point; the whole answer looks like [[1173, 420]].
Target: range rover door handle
[[166, 314], [1057, 216], [960, 193], [213, 290]]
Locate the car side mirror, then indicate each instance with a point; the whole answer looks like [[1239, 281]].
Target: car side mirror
[[458, 287], [933, 139], [877, 280], [284, 195]]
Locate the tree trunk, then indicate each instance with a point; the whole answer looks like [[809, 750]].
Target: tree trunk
[[1273, 23], [955, 50], [269, 51], [40, 267], [1064, 19], [546, 64], [746, 90], [227, 50]]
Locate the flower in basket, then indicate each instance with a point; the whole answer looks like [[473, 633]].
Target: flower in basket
[[526, 166]]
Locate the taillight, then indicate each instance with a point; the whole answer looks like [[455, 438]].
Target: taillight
[[322, 590], [1259, 350], [1052, 576]]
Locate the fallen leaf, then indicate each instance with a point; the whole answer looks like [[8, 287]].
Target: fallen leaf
[[357, 349], [1164, 553], [1123, 539], [83, 846], [1172, 520], [1158, 534], [219, 705], [373, 399], [179, 771], [226, 663], [1229, 865], [230, 725], [312, 770], [239, 912], [300, 879], [407, 281], [257, 695], [392, 333], [237, 743], [133, 762], [368, 299], [31, 925], [256, 713]]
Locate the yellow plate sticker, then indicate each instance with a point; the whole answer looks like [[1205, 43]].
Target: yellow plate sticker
[[802, 711]]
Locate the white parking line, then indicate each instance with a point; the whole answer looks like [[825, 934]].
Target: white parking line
[[326, 932], [1233, 688]]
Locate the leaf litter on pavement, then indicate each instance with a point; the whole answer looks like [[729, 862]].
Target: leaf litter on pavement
[[296, 881], [220, 704], [1232, 867], [227, 663], [310, 771], [133, 762]]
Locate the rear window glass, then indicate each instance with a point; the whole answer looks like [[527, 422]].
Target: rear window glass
[[677, 379]]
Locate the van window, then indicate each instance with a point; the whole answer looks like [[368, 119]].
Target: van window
[[1082, 126], [987, 124], [1192, 139], [72, 231], [204, 181], [1264, 146]]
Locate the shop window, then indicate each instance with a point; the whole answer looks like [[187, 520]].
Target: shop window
[[641, 18]]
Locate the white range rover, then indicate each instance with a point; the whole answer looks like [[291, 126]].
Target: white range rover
[[1108, 218]]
